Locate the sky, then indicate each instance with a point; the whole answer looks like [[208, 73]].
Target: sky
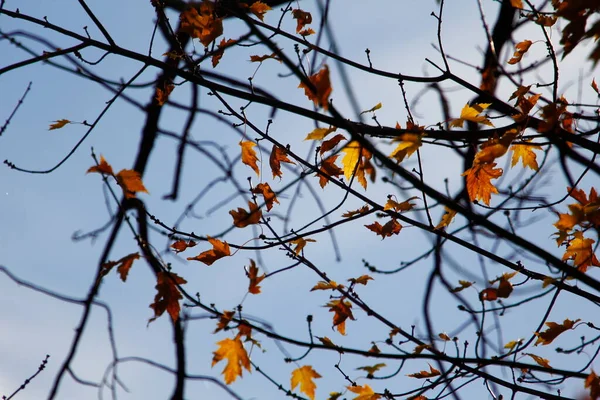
[[41, 214]]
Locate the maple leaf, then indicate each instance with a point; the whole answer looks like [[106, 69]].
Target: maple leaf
[[203, 24], [254, 278], [249, 155], [304, 377], [300, 243], [546, 337], [182, 245], [447, 218], [162, 94], [463, 286], [372, 109], [471, 113], [580, 251], [539, 360], [512, 344], [331, 143], [259, 9], [302, 18], [371, 369], [323, 285], [265, 190], [419, 348], [264, 57], [356, 162], [520, 49], [102, 168], [224, 320], [168, 295], [218, 54], [494, 147], [131, 182], [59, 124], [307, 32], [334, 395], [392, 227], [124, 265], [322, 88], [243, 218], [525, 153], [220, 249], [399, 207], [592, 382], [278, 155], [409, 142], [320, 133], [328, 168], [364, 392], [362, 280], [234, 352], [425, 374], [342, 311], [479, 185], [520, 92], [503, 290], [349, 214]]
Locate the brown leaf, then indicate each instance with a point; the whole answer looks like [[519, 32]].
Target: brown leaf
[[255, 280], [392, 227], [123, 265], [162, 94], [265, 190], [546, 337], [167, 296], [202, 24], [328, 168], [425, 374], [102, 168], [278, 155], [220, 249], [243, 218], [131, 182], [302, 18], [342, 311], [182, 245], [259, 9], [59, 124], [322, 88]]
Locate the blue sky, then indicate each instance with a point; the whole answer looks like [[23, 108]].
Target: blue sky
[[41, 213]]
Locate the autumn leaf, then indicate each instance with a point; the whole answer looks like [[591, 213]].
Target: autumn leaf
[[220, 249], [479, 185], [162, 94], [328, 168], [302, 18], [304, 377], [519, 93], [218, 54], [546, 337], [425, 374], [372, 109], [517, 3], [182, 245], [471, 113], [167, 296], [512, 344], [320, 133], [123, 265], [446, 218], [264, 57], [342, 311], [463, 286], [102, 168], [307, 32], [131, 182], [265, 190], [254, 278], [203, 24], [278, 155], [444, 337], [580, 251], [237, 358], [364, 392], [409, 143], [399, 207], [331, 143], [592, 382], [371, 369], [300, 243], [323, 285], [520, 49], [326, 341], [362, 280], [59, 124], [334, 395], [374, 349], [356, 162], [595, 86], [419, 348], [524, 152], [503, 290], [224, 320], [495, 147], [243, 218], [392, 227], [363, 210], [539, 360], [259, 9], [249, 155], [322, 85]]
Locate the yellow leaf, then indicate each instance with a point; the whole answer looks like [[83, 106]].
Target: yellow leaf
[[525, 153], [479, 185], [59, 124], [372, 109], [300, 243], [320, 133], [539, 360], [363, 279], [249, 155], [364, 392], [131, 182], [463, 285], [446, 218], [323, 285], [356, 162], [234, 352], [371, 369], [304, 376], [512, 344], [409, 143], [399, 207], [471, 113]]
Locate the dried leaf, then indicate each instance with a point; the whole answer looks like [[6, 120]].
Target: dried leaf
[[167, 296], [328, 168], [265, 190], [264, 57], [218, 54], [255, 280], [331, 143], [323, 285], [300, 243], [220, 249], [249, 155], [399, 207], [372, 109], [392, 227], [182, 245], [59, 124], [525, 153], [364, 392], [202, 23], [123, 265], [592, 382], [131, 182], [539, 360], [237, 358], [224, 320], [479, 185], [102, 168], [520, 49], [162, 94], [362, 280], [580, 251], [463, 286], [471, 113], [278, 155], [322, 85], [363, 210], [304, 377], [546, 337], [371, 369], [302, 18], [243, 218], [446, 218], [342, 311], [320, 133], [259, 9], [425, 374]]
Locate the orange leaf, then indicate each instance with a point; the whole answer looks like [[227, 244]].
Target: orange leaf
[[371, 369], [517, 3], [409, 143], [59, 124], [102, 168], [203, 24], [322, 285], [265, 190], [300, 243], [302, 18], [219, 250], [320, 133], [425, 374], [328, 168], [520, 49], [162, 94], [349, 214], [224, 320], [399, 207], [592, 382], [503, 290], [182, 245], [331, 143], [234, 352], [471, 113], [322, 88], [307, 32], [131, 182], [580, 251], [259, 9], [124, 265], [539, 360], [168, 296], [304, 376], [263, 58], [218, 54], [342, 311], [392, 227], [363, 279], [595, 86], [364, 392], [546, 337], [278, 155], [525, 153], [249, 155], [254, 278], [446, 218], [463, 285], [479, 183], [243, 218]]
